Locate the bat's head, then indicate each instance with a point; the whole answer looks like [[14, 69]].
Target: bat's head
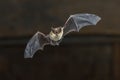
[[56, 30], [56, 33]]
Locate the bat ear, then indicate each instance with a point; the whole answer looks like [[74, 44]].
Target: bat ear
[[52, 28]]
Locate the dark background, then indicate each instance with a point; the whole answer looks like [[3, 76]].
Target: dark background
[[91, 54]]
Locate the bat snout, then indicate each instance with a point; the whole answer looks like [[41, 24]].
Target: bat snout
[[56, 32]]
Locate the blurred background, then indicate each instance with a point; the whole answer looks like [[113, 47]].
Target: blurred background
[[91, 54]]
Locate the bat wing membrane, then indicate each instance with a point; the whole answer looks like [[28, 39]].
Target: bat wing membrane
[[38, 41], [77, 21]]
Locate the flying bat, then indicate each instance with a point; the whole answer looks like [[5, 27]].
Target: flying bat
[[74, 23]]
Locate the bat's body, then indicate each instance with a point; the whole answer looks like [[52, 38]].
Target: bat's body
[[74, 23]]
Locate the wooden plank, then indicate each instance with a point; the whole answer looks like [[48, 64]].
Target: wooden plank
[[70, 39], [78, 57], [116, 61], [19, 18]]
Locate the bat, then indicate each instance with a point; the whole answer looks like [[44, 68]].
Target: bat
[[74, 23]]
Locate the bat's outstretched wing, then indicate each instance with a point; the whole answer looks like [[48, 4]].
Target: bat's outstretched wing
[[38, 41], [77, 21]]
